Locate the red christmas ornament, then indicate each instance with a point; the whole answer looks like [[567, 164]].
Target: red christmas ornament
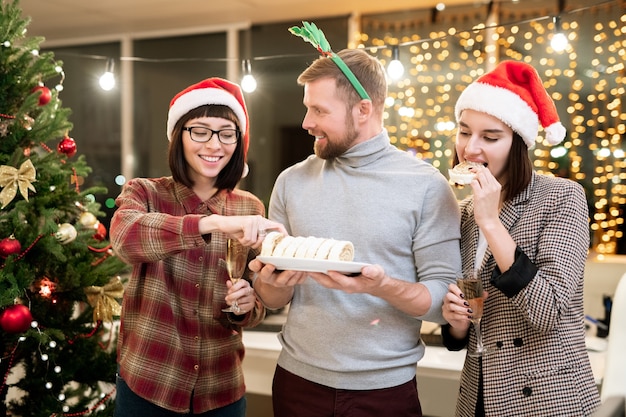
[[44, 96], [67, 146], [101, 232], [9, 246], [16, 319]]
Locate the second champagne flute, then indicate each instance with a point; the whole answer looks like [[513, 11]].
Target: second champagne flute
[[472, 289], [236, 258]]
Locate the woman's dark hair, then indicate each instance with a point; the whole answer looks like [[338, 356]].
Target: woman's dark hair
[[518, 169], [231, 174]]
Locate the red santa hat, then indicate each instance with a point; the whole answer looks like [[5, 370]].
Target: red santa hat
[[210, 91], [514, 94]]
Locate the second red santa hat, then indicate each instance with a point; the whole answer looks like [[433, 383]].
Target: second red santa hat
[[513, 93]]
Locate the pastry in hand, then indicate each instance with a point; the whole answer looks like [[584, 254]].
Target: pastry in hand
[[463, 173]]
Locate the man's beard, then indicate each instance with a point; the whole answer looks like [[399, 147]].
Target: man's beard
[[340, 146]]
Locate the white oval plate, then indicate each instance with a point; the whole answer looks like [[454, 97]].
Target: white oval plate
[[312, 265]]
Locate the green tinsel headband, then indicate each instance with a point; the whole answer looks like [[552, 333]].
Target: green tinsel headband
[[310, 33]]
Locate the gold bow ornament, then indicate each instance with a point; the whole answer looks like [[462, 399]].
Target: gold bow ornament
[[103, 300], [11, 179]]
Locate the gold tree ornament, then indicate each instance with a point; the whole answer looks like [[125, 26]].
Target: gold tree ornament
[[88, 219], [104, 300], [66, 233], [12, 179]]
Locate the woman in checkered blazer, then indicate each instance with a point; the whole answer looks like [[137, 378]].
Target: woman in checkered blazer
[[526, 235]]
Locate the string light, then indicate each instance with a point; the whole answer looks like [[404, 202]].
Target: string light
[[248, 82], [395, 68], [441, 37], [59, 70], [46, 288], [107, 80], [559, 41]]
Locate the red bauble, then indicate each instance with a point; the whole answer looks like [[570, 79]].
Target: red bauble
[[67, 146], [44, 96], [101, 232], [16, 319], [9, 246]]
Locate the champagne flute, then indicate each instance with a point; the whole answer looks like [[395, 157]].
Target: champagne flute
[[236, 258], [472, 289]]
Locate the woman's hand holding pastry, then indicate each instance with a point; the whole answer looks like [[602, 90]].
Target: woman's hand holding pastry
[[487, 193], [248, 230], [253, 230]]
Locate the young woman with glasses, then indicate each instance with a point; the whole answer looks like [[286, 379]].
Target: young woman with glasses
[[178, 352]]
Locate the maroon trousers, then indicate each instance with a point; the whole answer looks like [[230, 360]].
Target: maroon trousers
[[296, 396]]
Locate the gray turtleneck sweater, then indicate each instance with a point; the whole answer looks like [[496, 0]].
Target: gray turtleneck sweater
[[400, 213]]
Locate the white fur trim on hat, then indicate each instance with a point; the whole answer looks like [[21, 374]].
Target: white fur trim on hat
[[502, 104], [201, 97], [555, 133]]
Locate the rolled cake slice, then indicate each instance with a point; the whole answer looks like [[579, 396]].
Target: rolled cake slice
[[305, 247], [280, 248], [269, 243], [292, 247], [314, 247], [341, 250], [324, 249]]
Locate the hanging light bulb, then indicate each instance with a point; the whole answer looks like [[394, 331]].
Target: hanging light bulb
[[559, 41], [59, 70], [395, 68], [248, 83], [107, 80]]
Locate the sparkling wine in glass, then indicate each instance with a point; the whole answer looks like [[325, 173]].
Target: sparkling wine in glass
[[236, 258], [472, 289]]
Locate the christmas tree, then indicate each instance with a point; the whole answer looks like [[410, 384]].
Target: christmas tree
[[59, 280]]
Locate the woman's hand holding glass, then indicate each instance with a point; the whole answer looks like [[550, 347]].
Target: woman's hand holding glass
[[242, 295], [236, 259], [462, 306], [456, 311]]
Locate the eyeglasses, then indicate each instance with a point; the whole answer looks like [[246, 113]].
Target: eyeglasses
[[204, 134]]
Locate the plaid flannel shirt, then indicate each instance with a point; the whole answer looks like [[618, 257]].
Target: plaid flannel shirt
[[176, 348]]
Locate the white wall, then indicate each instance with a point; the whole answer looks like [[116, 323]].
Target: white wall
[[601, 277]]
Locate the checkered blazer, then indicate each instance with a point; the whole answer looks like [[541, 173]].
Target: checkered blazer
[[540, 366]]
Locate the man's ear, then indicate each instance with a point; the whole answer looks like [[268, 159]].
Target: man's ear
[[365, 109]]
